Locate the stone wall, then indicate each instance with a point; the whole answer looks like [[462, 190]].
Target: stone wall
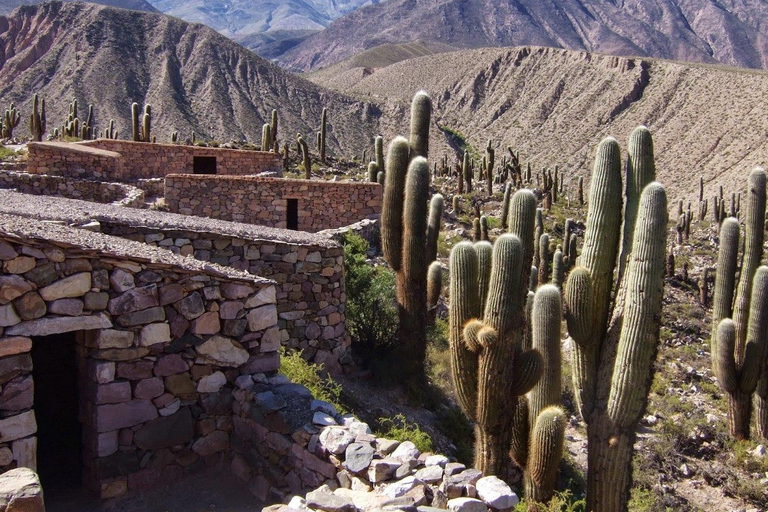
[[264, 201], [119, 194], [73, 161], [308, 268], [305, 448], [142, 160], [122, 160], [161, 341]]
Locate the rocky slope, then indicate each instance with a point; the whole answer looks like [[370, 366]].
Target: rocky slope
[[729, 31], [6, 6], [194, 78], [554, 106]]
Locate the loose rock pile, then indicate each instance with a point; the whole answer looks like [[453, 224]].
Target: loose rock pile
[[374, 474]]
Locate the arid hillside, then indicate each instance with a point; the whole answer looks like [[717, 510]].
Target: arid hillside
[[6, 6], [729, 32], [194, 78], [554, 106]]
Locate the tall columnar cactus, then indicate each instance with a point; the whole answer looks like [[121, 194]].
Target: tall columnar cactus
[[490, 159], [613, 350], [537, 445], [405, 241], [305, 161], [741, 355], [466, 171], [436, 207], [378, 150], [373, 171], [322, 134], [135, 125], [493, 364], [37, 123], [266, 137], [11, 120], [273, 125], [421, 112], [505, 205], [558, 268], [544, 259], [141, 123]]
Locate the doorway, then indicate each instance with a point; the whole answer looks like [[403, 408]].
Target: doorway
[[292, 210], [204, 165], [59, 433]]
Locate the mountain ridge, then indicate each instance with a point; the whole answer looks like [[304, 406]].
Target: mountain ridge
[[194, 78], [6, 6], [728, 31]]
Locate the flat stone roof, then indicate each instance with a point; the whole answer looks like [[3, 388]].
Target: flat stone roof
[[68, 146], [75, 211], [82, 240]]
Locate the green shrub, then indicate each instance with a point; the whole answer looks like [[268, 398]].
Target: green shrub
[[7, 153], [561, 502], [301, 371], [372, 317], [399, 429]]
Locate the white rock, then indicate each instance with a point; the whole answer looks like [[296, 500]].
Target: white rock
[[211, 383], [406, 450], [382, 469], [335, 439], [430, 474], [466, 505], [171, 408], [496, 493], [298, 503], [358, 427], [400, 488], [759, 451], [436, 460], [323, 419], [223, 351], [153, 334]]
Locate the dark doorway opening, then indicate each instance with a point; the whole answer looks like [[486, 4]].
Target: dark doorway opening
[[204, 165], [59, 433], [292, 220]]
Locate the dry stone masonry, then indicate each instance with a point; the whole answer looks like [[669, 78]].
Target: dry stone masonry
[[119, 194], [264, 201], [122, 160], [157, 364], [308, 268], [288, 445]]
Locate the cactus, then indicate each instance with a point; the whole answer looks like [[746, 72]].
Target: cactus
[[613, 350], [505, 205], [273, 131], [484, 228], [492, 362], [558, 269], [373, 171], [581, 190], [490, 158], [477, 233], [744, 348], [141, 124], [135, 122], [456, 205], [466, 171], [266, 137], [37, 124], [305, 161], [321, 135], [11, 120], [543, 259], [434, 284], [378, 148], [405, 241], [421, 111]]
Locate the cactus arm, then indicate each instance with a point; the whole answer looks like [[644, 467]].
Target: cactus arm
[[484, 251], [434, 284], [753, 252], [757, 334], [522, 219], [436, 207], [639, 337], [545, 325], [421, 110], [727, 259], [463, 306], [392, 208], [546, 450]]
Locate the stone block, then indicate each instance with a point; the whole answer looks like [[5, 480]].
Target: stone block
[[12, 286], [207, 323], [170, 365], [223, 351], [30, 306], [101, 371], [8, 316], [153, 334], [14, 345], [20, 490], [127, 414], [16, 427], [262, 318], [215, 442], [111, 338], [178, 428], [75, 285], [112, 393], [143, 317], [67, 307], [134, 299], [17, 394], [149, 388], [57, 325]]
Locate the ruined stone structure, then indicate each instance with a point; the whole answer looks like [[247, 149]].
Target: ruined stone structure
[[306, 205], [90, 320], [157, 334], [121, 160]]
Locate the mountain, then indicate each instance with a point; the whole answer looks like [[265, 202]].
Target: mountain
[[729, 32], [6, 6], [268, 27], [194, 78], [554, 106]]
